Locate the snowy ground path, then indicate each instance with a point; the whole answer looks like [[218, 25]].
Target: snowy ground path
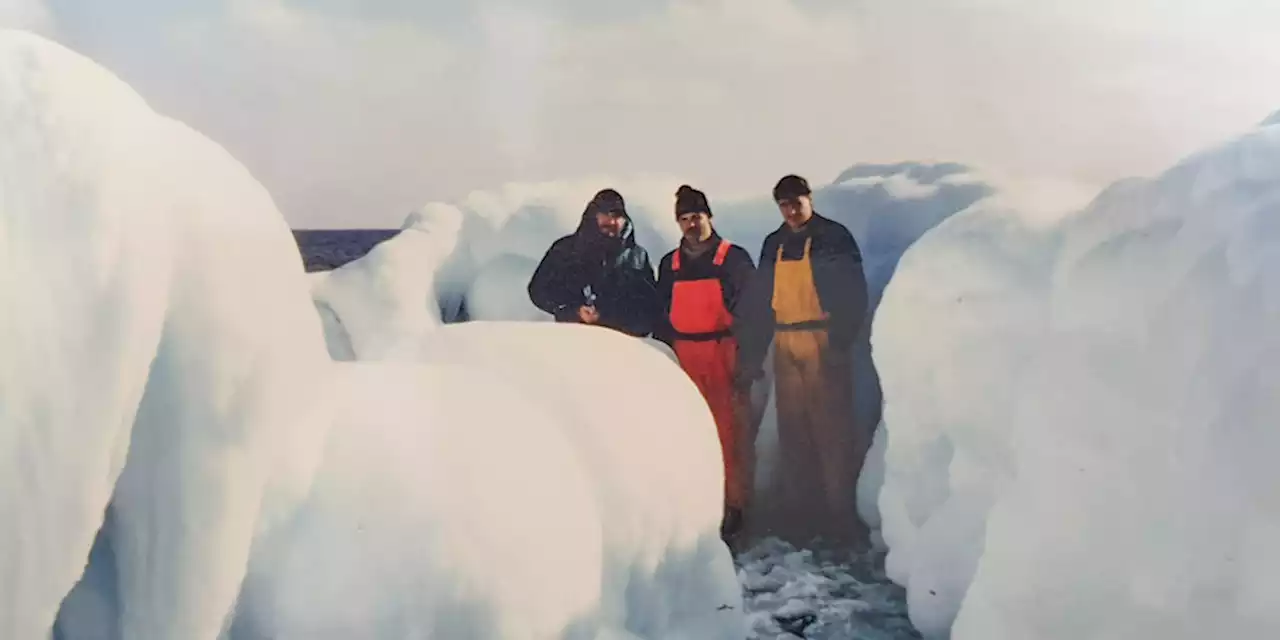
[[792, 593]]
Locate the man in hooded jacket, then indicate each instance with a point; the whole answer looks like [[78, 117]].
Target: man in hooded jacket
[[598, 274]]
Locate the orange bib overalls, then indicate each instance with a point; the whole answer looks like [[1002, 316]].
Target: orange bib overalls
[[708, 352], [819, 451]]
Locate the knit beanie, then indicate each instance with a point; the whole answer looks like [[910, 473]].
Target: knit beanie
[[791, 187], [690, 200]]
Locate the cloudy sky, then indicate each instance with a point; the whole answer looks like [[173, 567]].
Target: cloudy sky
[[354, 112]]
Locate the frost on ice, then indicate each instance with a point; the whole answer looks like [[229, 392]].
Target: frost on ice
[[182, 409], [1081, 416]]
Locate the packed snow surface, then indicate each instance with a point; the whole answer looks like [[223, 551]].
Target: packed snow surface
[[1081, 415], [821, 595], [180, 415]]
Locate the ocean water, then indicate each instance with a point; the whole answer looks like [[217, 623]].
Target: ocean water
[[326, 249]]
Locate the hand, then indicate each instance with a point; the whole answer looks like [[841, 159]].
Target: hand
[[588, 314], [744, 379]]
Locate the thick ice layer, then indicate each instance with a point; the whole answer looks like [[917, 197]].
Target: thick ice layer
[[234, 413], [649, 446], [438, 513], [387, 300], [500, 291], [125, 332], [130, 340], [84, 249], [1081, 430], [950, 336]]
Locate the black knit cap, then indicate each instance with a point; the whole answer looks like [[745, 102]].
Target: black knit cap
[[690, 200], [791, 187], [607, 201]]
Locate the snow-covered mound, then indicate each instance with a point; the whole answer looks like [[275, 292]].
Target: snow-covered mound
[[468, 528], [1080, 417], [385, 301], [499, 290], [134, 370], [636, 419], [951, 337], [183, 412], [82, 305], [513, 486], [226, 435]]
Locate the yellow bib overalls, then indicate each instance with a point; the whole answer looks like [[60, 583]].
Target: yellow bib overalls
[[820, 452]]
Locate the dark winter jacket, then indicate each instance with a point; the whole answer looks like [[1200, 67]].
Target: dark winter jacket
[[734, 275], [617, 271], [838, 277]]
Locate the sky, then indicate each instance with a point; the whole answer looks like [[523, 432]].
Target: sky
[[355, 112]]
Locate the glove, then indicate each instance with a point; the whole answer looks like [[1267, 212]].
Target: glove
[[743, 379]]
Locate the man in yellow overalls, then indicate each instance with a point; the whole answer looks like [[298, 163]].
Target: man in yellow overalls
[[809, 298]]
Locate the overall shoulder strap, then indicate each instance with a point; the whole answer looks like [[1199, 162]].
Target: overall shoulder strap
[[721, 252], [675, 260]]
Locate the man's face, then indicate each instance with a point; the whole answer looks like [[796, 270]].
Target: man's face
[[696, 227], [610, 224], [796, 211]]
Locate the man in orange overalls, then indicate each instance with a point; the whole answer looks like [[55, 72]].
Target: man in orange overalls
[[699, 284], [809, 297]]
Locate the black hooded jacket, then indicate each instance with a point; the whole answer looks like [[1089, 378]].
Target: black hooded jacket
[[617, 270]]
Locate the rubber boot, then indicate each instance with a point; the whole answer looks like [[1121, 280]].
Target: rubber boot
[[731, 524]]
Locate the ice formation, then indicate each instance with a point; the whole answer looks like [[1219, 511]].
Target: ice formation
[[180, 409], [1079, 427]]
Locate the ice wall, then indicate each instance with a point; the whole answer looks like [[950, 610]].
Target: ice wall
[[173, 419], [1078, 427], [136, 371], [84, 251]]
